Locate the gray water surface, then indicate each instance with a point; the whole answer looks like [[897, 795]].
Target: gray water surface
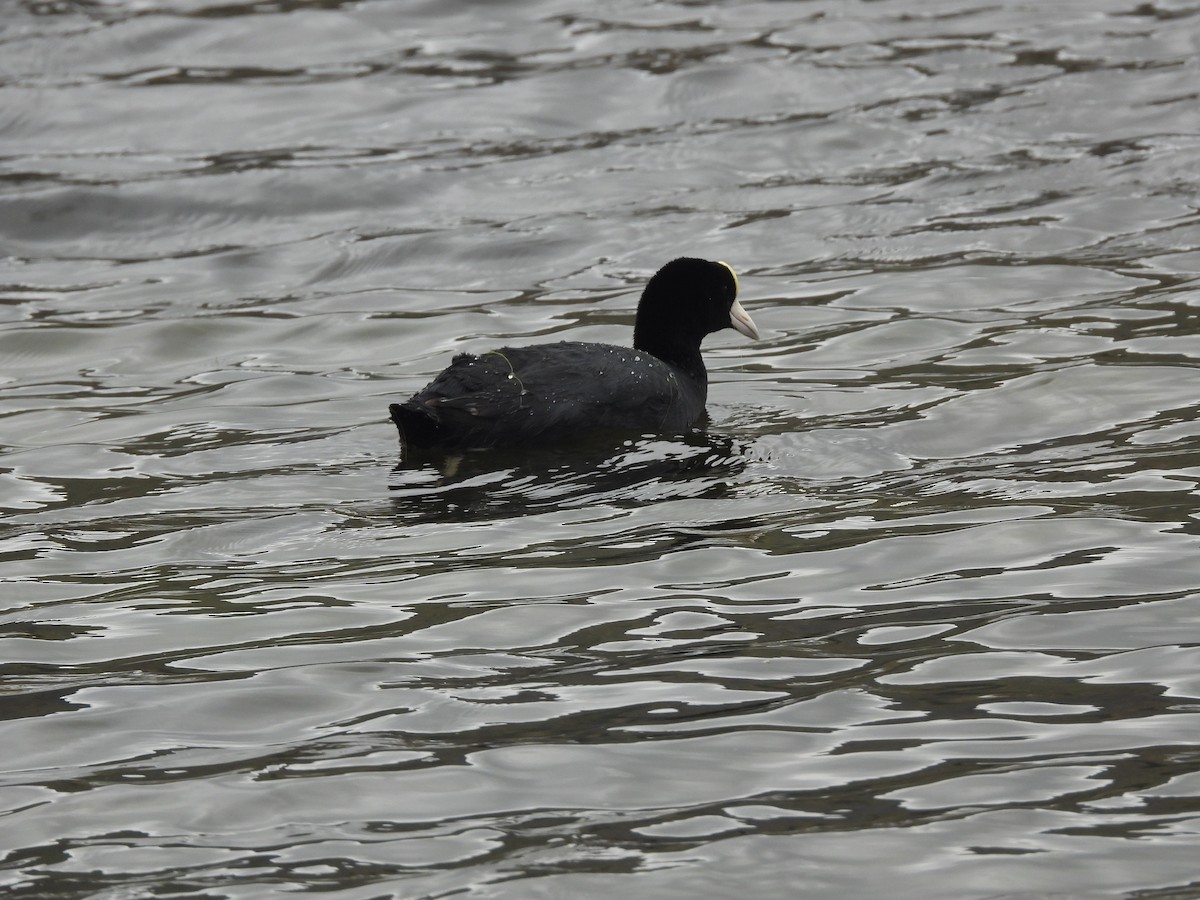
[[917, 617]]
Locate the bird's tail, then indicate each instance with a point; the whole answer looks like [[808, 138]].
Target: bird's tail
[[417, 425]]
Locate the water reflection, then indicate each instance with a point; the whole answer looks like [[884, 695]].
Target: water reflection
[[617, 472]]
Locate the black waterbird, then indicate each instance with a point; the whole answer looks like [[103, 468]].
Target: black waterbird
[[551, 393]]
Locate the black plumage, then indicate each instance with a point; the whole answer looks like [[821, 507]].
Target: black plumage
[[550, 393]]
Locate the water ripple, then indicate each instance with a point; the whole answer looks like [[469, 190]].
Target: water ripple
[[921, 592]]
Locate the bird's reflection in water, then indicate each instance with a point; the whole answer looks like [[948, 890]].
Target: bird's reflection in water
[[614, 471]]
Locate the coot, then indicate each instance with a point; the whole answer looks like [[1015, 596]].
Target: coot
[[551, 393]]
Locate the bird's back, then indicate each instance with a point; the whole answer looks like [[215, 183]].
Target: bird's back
[[524, 395]]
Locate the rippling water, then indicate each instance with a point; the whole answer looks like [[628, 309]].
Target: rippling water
[[916, 618]]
